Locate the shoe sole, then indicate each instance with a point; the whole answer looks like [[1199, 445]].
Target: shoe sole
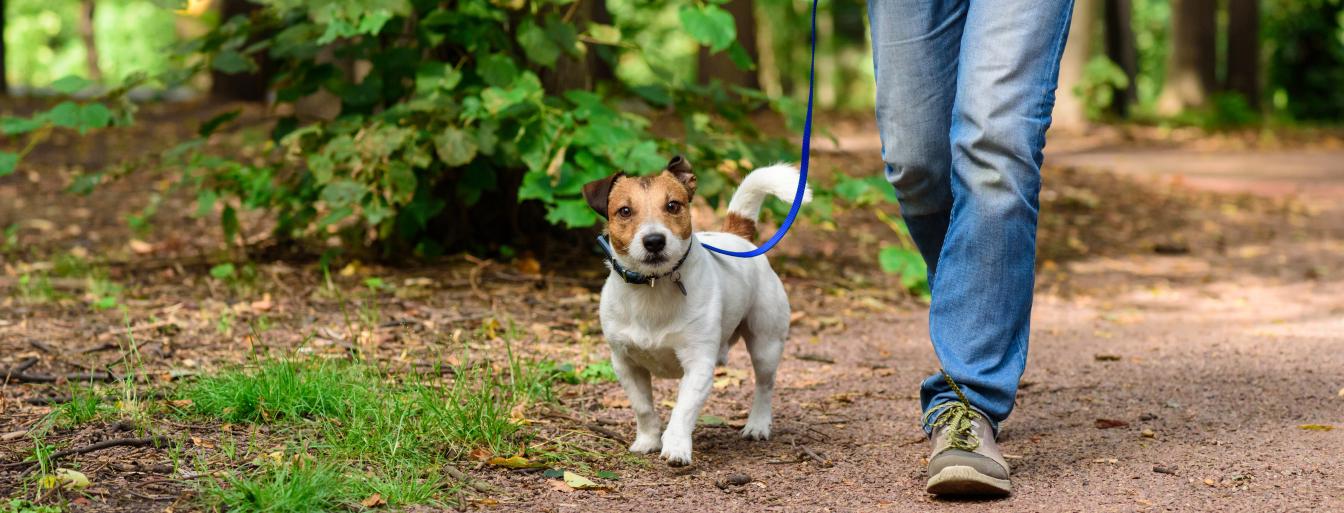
[[967, 482]]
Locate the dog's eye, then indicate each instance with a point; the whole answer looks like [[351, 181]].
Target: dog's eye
[[673, 207], [624, 212]]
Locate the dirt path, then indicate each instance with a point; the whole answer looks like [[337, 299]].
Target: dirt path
[[1221, 355], [1215, 321]]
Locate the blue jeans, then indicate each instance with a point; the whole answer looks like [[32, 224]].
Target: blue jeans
[[964, 93]]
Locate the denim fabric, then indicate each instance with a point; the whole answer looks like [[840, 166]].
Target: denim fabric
[[964, 93]]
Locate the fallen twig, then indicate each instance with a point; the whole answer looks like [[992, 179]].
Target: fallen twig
[[13, 435], [814, 456], [19, 368], [474, 484], [594, 427], [24, 377], [814, 358], [116, 442]]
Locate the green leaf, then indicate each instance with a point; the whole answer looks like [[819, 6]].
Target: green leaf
[[497, 70], [850, 189], [605, 34], [65, 115], [536, 185], [564, 36], [10, 125], [210, 125], [223, 271], [710, 25], [906, 263], [70, 84], [455, 146], [573, 213], [205, 202], [93, 115], [609, 475], [8, 162], [372, 23], [231, 62], [436, 76], [335, 217], [537, 44], [343, 193], [400, 182], [740, 57], [228, 219]]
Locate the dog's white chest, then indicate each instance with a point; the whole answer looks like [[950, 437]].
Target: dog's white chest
[[652, 350], [660, 361]]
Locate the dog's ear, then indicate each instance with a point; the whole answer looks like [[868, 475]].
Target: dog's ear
[[681, 170], [598, 192]]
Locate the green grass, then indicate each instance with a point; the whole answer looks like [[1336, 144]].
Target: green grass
[[371, 431], [281, 488], [84, 406], [23, 506]]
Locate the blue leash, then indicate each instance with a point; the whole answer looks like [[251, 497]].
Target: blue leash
[[802, 172]]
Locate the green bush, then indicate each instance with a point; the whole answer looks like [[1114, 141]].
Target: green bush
[[469, 126]]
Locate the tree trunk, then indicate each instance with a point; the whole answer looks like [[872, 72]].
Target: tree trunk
[[4, 80], [1122, 49], [1243, 49], [1192, 56], [1070, 111], [719, 65], [249, 87], [594, 66], [90, 45]]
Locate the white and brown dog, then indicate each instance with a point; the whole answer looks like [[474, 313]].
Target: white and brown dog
[[672, 308]]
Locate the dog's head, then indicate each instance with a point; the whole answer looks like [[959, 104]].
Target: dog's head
[[648, 217]]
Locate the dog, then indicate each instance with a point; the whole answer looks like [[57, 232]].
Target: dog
[[672, 309]]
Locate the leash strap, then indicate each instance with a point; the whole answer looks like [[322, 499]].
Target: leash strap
[[802, 172]]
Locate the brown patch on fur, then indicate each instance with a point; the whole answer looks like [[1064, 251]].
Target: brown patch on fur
[[740, 226], [648, 198]]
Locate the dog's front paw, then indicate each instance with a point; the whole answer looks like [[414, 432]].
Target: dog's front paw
[[756, 430], [645, 444], [677, 450]]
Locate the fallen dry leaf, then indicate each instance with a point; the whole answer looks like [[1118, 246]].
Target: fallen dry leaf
[[527, 265], [579, 482], [1110, 423], [559, 486], [712, 420], [140, 247], [513, 462], [373, 501], [729, 378], [1107, 357], [66, 478]]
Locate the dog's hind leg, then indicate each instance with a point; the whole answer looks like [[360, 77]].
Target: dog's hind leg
[[639, 388], [728, 345], [765, 355]]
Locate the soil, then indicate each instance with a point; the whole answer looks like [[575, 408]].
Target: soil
[[1183, 335]]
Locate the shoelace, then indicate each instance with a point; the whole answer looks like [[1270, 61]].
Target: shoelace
[[958, 417]]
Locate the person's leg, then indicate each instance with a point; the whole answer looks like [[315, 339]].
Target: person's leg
[[915, 49], [981, 309]]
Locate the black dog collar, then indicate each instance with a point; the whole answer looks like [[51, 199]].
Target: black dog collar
[[635, 278]]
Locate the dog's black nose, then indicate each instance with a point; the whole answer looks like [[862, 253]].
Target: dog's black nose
[[654, 242]]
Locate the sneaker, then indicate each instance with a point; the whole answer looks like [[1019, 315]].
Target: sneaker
[[965, 461]]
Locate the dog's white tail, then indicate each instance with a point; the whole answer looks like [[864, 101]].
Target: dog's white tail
[[779, 180]]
